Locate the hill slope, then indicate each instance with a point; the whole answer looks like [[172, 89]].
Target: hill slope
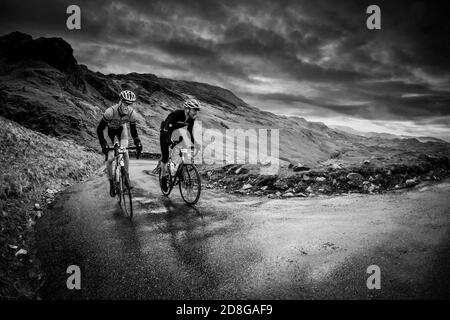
[[45, 89]]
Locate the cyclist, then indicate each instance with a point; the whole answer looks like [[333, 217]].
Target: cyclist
[[176, 120], [115, 119]]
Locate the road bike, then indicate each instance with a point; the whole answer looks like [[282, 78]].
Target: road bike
[[122, 179], [184, 173]]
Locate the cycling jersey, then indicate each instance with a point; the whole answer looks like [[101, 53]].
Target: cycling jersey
[[175, 120], [117, 125], [114, 120]]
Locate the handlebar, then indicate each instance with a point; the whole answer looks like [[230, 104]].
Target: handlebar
[[117, 147]]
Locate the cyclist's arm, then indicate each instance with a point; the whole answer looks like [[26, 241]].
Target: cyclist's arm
[[167, 124], [100, 128], [190, 129], [133, 131]]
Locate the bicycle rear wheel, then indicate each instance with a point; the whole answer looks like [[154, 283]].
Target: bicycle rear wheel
[[165, 184], [127, 198], [190, 184]]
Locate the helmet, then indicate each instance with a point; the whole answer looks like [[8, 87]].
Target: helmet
[[192, 104], [128, 95]]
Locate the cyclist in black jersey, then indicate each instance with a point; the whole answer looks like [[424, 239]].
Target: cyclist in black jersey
[[176, 120]]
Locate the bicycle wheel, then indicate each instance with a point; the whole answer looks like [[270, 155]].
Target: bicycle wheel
[[190, 184], [127, 201], [118, 184], [166, 186]]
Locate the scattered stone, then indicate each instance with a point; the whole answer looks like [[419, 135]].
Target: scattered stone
[[300, 167], [300, 194], [335, 166], [355, 179], [264, 188], [238, 170], [321, 179], [247, 186], [288, 195], [21, 252], [305, 177], [37, 207], [309, 190], [411, 182]]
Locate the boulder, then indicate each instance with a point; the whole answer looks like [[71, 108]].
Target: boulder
[[355, 179], [288, 195], [411, 182], [300, 167]]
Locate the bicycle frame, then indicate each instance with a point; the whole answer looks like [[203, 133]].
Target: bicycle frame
[[183, 152]]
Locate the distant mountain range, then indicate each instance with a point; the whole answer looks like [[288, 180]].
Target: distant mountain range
[[43, 87], [383, 135]]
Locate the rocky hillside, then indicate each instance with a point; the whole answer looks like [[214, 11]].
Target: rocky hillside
[[45, 89]]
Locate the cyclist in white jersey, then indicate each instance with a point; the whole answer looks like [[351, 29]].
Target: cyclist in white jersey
[[115, 119]]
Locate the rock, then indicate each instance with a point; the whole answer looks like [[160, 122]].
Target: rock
[[309, 190], [247, 186], [288, 195], [238, 170], [335, 166], [21, 252], [264, 188], [300, 194], [300, 167], [305, 177], [278, 193], [209, 174], [411, 182], [366, 162], [321, 179], [355, 179], [37, 207], [282, 185]]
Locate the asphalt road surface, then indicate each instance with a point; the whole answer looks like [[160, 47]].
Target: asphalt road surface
[[235, 247]]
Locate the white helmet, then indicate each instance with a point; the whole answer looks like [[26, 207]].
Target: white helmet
[[192, 104], [128, 95]]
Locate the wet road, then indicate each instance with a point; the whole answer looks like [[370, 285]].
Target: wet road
[[233, 247]]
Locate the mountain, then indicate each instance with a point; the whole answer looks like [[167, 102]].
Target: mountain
[[43, 88]]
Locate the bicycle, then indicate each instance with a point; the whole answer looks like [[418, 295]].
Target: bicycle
[[122, 179], [186, 176]]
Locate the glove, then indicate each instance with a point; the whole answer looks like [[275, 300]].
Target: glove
[[138, 144]]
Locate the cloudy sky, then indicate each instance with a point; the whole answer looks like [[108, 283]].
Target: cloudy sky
[[314, 59]]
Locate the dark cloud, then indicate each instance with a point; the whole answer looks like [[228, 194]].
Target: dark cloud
[[298, 53]]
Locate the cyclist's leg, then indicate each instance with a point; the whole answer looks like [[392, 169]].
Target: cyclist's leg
[[164, 153], [124, 143], [109, 163]]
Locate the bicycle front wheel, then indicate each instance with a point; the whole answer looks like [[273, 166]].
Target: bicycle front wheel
[[165, 183], [190, 184], [127, 199]]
